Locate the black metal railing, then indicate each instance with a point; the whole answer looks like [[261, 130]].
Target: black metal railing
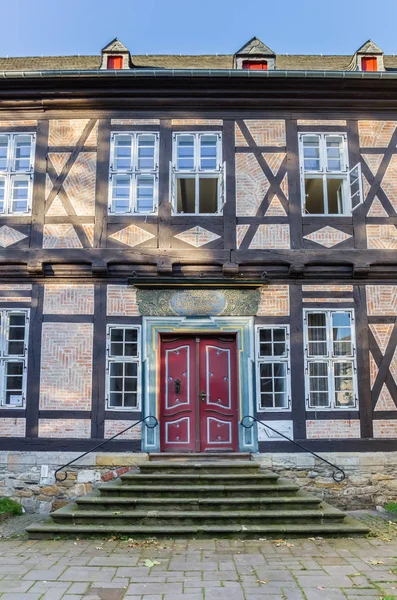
[[338, 474], [154, 424]]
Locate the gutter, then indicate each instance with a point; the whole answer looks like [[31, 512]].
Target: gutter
[[195, 73]]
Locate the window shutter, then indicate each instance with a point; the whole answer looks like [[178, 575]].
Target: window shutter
[[172, 188], [369, 63], [223, 187], [356, 186], [115, 62]]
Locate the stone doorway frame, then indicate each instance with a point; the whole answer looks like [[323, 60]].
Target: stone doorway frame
[[243, 327]]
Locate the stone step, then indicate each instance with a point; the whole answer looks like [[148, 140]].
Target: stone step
[[187, 467], [116, 488], [293, 503], [50, 529], [200, 478], [163, 517], [198, 456]]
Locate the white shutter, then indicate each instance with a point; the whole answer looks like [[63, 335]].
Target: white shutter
[[356, 187], [172, 196], [222, 187]]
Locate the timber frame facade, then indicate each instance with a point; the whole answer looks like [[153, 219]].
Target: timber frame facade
[[80, 270]]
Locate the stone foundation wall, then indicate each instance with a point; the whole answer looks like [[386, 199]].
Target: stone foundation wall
[[28, 477]]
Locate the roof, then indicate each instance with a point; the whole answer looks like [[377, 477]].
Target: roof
[[296, 62], [369, 48], [256, 47]]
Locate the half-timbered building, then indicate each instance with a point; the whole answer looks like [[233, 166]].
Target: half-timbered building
[[198, 238]]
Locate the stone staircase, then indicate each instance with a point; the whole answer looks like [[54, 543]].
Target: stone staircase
[[210, 497]]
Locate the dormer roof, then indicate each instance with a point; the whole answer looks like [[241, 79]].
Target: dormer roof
[[115, 46], [255, 47]]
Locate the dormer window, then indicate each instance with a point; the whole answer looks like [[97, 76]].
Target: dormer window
[[255, 65], [115, 62], [369, 63]]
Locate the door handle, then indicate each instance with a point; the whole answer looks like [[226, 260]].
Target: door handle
[[203, 396], [177, 384]]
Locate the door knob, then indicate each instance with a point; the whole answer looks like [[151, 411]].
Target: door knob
[[203, 396]]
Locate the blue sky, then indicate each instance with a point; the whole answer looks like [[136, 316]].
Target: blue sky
[[52, 27]]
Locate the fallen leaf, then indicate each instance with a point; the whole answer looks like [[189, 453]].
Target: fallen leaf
[[375, 562], [320, 587], [150, 563], [262, 581]]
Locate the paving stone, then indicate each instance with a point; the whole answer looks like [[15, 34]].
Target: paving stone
[[154, 588], [46, 575], [78, 588], [107, 593], [88, 574]]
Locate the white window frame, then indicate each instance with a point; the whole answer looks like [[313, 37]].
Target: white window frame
[[269, 360], [133, 172], [197, 173], [10, 173], [350, 176], [125, 359], [6, 358], [330, 360]]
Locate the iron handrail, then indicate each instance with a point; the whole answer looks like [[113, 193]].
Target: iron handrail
[[336, 477], [56, 474]]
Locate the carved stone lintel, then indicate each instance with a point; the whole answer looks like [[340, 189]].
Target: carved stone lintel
[[35, 268]]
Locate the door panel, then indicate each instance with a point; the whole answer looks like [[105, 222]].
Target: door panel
[[198, 394], [177, 390]]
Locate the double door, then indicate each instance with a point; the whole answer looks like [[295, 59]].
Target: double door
[[198, 394]]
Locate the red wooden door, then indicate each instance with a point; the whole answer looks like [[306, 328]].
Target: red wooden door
[[198, 394]]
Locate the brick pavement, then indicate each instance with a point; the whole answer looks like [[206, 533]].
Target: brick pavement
[[298, 569]]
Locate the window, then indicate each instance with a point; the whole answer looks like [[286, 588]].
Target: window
[[197, 174], [273, 386], [13, 357], [330, 360], [115, 62], [123, 368], [327, 185], [255, 65], [369, 63], [134, 173], [16, 173]]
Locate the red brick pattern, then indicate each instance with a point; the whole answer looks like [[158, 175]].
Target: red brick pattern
[[264, 132], [113, 427], [80, 184], [69, 299], [373, 161], [10, 236], [9, 287], [327, 236], [24, 123], [381, 300], [60, 236], [65, 428], [376, 134], [271, 236], [251, 185], [197, 236], [274, 301], [373, 369], [12, 427], [121, 301], [89, 231], [275, 209], [381, 333], [192, 122], [377, 209], [66, 366], [135, 121], [385, 429], [328, 300], [333, 429], [385, 401], [389, 181], [274, 160], [382, 237], [327, 288], [132, 235], [315, 122], [59, 160], [66, 132]]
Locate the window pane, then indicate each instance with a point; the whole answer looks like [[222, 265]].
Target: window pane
[[266, 370], [131, 349], [280, 400], [336, 196], [16, 334], [116, 384], [278, 335], [145, 193], [13, 383], [208, 146], [280, 369], [208, 195], [343, 381], [115, 400], [117, 335], [334, 145], [130, 400], [146, 151], [131, 369], [266, 400], [318, 384], [341, 334], [314, 196], [186, 194], [121, 193], [279, 349], [311, 152], [266, 350], [20, 194], [23, 146], [185, 152], [131, 335], [265, 335], [3, 152], [123, 152], [2, 193], [116, 369], [317, 334]]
